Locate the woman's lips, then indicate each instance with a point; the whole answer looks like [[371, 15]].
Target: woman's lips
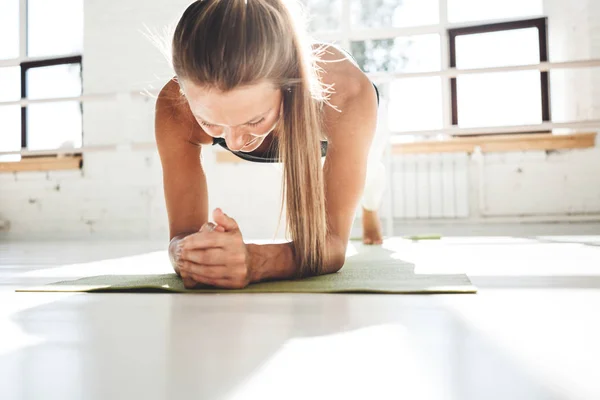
[[250, 142]]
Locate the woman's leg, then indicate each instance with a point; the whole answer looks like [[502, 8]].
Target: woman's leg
[[375, 183]]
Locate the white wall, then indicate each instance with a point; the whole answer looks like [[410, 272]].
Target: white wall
[[119, 194], [573, 34]]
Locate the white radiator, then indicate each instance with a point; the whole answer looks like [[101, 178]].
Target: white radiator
[[430, 186]]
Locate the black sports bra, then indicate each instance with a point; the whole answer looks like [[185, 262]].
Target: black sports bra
[[271, 156]]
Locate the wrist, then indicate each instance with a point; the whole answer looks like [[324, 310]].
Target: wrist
[[254, 266], [270, 261]]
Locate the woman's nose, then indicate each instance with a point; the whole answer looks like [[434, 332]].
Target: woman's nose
[[236, 139]]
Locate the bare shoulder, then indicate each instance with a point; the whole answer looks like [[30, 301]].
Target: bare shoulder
[[172, 109], [340, 71], [353, 97]]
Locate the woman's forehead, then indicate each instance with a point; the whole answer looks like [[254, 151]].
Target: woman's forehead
[[234, 107], [246, 92]]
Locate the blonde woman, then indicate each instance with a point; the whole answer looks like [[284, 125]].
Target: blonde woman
[[248, 79]]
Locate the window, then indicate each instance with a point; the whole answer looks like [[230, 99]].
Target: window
[[416, 102], [499, 98], [412, 36], [9, 29], [400, 54], [481, 10], [56, 124], [54, 27], [49, 69], [393, 13], [324, 16]]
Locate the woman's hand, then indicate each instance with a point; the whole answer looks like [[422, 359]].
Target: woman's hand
[[216, 255]]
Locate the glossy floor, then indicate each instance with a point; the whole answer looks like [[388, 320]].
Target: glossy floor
[[532, 331]]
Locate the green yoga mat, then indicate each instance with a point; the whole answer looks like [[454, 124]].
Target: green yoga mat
[[369, 271]]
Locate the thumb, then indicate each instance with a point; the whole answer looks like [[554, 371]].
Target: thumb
[[224, 220]]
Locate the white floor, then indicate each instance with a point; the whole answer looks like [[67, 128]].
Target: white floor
[[532, 331]]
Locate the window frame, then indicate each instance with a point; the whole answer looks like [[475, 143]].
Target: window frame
[[42, 160], [39, 63], [540, 23]]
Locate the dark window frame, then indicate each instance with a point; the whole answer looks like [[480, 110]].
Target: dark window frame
[[540, 23], [27, 65]]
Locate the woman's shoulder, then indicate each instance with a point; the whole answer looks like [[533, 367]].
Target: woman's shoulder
[[172, 99], [338, 69], [349, 88]]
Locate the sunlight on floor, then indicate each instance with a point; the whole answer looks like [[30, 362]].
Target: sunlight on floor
[[153, 263], [13, 337], [373, 362], [497, 256], [553, 335]]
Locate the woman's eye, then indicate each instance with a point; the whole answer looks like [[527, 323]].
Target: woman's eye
[[256, 123], [206, 125]]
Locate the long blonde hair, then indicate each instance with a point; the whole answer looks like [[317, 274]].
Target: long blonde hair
[[224, 44]]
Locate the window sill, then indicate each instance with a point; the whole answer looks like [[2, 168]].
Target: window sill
[[499, 143], [43, 164]]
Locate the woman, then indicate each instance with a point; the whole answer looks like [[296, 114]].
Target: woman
[[249, 80]]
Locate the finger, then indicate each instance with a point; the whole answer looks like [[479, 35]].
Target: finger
[[208, 226], [208, 271], [224, 220], [213, 256], [203, 240], [189, 283], [221, 283]]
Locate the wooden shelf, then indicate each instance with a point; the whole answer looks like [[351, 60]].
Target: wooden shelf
[[42, 164], [499, 143]]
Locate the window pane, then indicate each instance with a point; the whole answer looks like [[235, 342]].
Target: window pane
[[10, 84], [54, 27], [10, 131], [54, 125], [415, 104], [9, 29], [498, 99], [498, 49], [55, 81], [323, 15], [474, 10], [394, 13], [401, 54]]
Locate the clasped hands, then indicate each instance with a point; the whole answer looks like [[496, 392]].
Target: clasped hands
[[216, 255]]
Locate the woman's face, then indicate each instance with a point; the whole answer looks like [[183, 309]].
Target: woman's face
[[243, 117]]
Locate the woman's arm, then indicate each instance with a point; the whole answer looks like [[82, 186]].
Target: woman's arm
[[277, 261], [184, 181]]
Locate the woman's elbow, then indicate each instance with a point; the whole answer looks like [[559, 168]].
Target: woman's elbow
[[337, 254]]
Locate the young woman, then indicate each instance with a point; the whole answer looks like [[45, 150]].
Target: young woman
[[249, 80]]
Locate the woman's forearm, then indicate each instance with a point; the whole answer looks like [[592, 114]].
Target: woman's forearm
[[277, 261]]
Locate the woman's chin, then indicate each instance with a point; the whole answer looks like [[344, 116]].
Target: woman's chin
[[249, 150]]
